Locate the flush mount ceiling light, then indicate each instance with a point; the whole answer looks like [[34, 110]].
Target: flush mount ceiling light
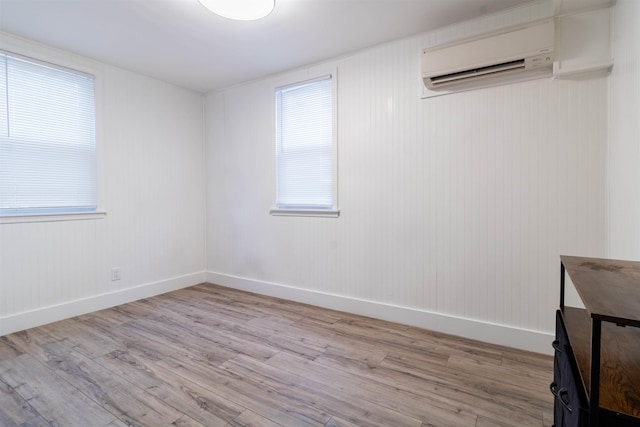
[[241, 10]]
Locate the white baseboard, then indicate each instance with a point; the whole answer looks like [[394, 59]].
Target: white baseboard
[[30, 319], [536, 341]]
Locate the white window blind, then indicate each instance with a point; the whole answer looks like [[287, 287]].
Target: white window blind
[[304, 145], [47, 138]]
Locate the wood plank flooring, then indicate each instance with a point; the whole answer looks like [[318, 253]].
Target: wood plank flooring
[[213, 356]]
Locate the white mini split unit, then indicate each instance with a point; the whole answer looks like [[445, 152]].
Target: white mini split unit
[[513, 54]]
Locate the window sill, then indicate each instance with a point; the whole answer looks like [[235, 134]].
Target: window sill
[[51, 217], [324, 213]]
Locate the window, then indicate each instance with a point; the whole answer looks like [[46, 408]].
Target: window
[[305, 149], [47, 138]]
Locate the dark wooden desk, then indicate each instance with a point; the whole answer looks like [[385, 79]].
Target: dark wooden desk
[[605, 336]]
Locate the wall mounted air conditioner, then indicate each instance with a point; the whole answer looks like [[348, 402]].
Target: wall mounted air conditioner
[[515, 53]]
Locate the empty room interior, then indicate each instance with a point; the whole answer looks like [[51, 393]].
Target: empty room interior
[[328, 213]]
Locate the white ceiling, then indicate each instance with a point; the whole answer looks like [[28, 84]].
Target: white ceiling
[[180, 42]]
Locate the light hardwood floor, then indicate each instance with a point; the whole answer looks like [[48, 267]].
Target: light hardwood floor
[[212, 356]]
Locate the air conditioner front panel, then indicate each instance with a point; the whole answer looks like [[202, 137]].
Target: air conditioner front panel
[[522, 43]]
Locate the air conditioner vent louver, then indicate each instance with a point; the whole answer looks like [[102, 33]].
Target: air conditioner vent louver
[[526, 50], [476, 72]]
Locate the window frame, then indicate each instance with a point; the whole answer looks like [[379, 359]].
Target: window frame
[[300, 79], [57, 59]]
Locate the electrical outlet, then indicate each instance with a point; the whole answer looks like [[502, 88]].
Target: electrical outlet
[[116, 274]]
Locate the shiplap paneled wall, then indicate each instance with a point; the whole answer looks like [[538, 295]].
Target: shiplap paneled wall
[[624, 134], [152, 189], [454, 209]]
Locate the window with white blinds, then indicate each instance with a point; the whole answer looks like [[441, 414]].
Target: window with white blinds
[[305, 146], [47, 138]]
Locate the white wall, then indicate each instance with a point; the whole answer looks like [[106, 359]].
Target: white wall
[[152, 173], [454, 209], [624, 134]]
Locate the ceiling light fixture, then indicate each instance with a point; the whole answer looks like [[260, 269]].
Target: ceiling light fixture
[[241, 10]]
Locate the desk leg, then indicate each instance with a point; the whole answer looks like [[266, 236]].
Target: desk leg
[[594, 382], [561, 286]]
